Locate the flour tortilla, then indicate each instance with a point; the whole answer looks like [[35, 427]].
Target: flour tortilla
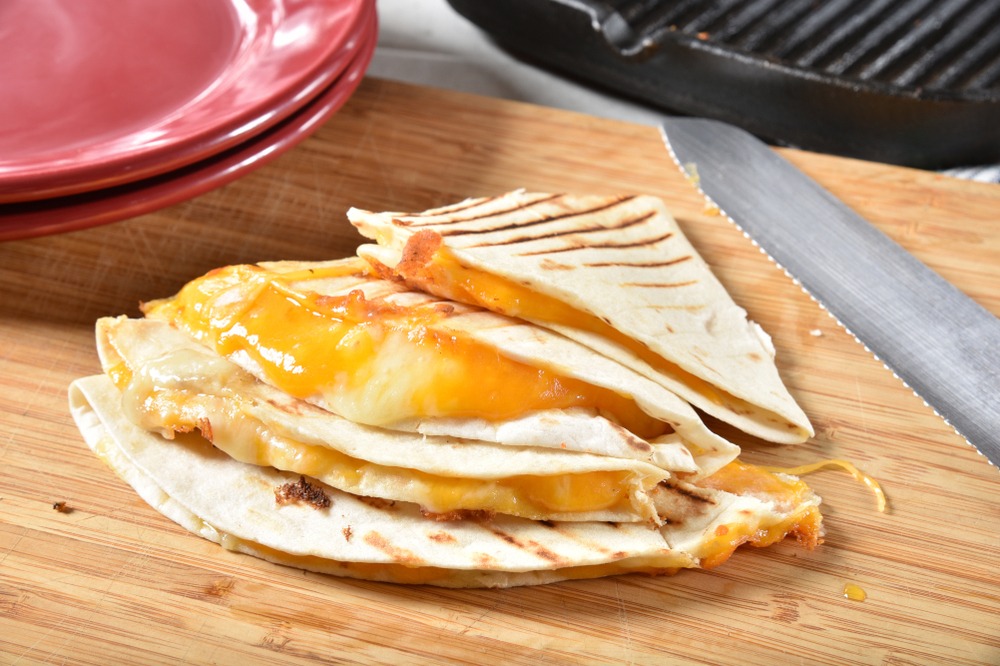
[[233, 503], [573, 430], [624, 260]]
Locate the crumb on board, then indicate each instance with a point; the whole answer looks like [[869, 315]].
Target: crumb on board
[[816, 333], [62, 507]]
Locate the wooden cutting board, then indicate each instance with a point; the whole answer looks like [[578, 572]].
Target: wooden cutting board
[[108, 580]]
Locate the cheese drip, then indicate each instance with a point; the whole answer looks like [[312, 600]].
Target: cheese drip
[[369, 360], [787, 494]]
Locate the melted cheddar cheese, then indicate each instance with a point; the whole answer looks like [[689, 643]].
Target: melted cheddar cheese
[[429, 266], [373, 361], [801, 519]]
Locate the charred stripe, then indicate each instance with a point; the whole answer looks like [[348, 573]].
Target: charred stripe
[[659, 285], [580, 232], [601, 246], [483, 216], [636, 264], [545, 219]]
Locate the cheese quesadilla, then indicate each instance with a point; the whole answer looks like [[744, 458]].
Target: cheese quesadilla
[[376, 353], [170, 384], [236, 505], [342, 417], [614, 273]]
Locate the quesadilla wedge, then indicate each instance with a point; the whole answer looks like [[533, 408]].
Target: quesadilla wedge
[[339, 417], [614, 273], [376, 353], [170, 385], [244, 508]]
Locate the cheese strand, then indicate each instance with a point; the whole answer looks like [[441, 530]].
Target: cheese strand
[[842, 464]]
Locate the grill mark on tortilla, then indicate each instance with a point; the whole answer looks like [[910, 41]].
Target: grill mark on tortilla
[[603, 246], [484, 216], [668, 484], [660, 285], [400, 555], [442, 537], [530, 546], [637, 264], [686, 308], [589, 544], [579, 232], [633, 441], [545, 219], [486, 561], [454, 208]]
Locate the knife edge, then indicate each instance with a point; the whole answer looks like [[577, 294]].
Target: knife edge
[[693, 143]]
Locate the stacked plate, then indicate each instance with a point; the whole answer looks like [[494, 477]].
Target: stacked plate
[[114, 109]]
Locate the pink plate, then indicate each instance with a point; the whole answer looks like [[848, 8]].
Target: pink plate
[[37, 218], [102, 93]]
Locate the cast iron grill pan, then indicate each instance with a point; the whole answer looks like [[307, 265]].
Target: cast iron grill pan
[[910, 82]]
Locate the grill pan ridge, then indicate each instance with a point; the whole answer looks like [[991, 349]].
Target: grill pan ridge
[[910, 82]]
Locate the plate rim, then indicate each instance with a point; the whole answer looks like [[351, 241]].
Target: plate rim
[[130, 200], [105, 166]]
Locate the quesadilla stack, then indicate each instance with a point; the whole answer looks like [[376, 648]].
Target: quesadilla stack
[[614, 273], [368, 418]]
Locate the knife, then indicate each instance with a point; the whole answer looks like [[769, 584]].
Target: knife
[[937, 340]]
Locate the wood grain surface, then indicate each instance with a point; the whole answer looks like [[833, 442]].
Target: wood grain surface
[[108, 580]]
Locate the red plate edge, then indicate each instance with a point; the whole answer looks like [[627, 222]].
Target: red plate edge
[[207, 137], [76, 212]]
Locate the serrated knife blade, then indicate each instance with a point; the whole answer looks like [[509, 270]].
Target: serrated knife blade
[[936, 339]]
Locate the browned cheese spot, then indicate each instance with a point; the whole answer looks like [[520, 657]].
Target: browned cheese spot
[[205, 428], [418, 252], [382, 271], [444, 308], [302, 492]]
